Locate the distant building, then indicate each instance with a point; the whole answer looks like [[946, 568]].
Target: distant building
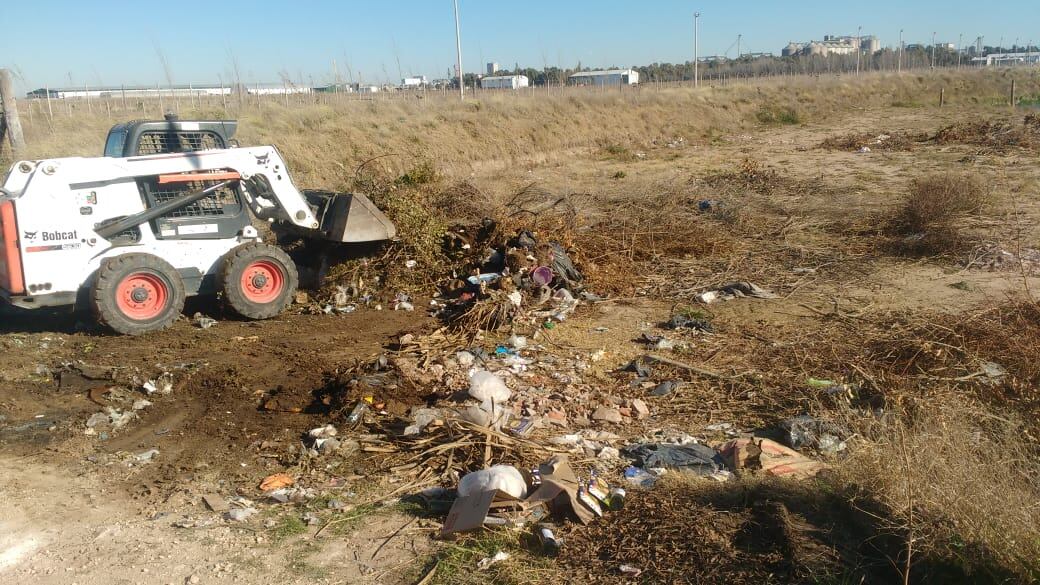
[[998, 59], [131, 91], [414, 82], [368, 89], [493, 68], [504, 82], [605, 77], [834, 45]]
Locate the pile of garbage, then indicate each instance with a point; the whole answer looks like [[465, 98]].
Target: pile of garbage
[[515, 279]]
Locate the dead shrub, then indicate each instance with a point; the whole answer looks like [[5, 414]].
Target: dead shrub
[[929, 219], [993, 135]]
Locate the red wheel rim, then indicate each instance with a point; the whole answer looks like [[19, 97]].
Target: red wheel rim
[[142, 296], [262, 281]]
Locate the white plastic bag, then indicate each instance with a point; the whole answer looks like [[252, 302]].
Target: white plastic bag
[[505, 478]]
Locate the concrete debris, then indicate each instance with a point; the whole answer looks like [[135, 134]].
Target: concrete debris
[[240, 514]]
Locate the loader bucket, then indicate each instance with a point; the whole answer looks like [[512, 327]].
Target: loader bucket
[[350, 218]]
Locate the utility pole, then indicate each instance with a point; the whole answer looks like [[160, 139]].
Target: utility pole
[[933, 50], [696, 76], [899, 61], [458, 48], [960, 49], [11, 125], [859, 46], [738, 46]]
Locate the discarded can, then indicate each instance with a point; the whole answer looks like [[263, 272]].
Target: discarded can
[[550, 543], [617, 499], [355, 416], [536, 476]]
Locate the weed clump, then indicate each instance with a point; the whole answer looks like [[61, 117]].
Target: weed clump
[[778, 116]]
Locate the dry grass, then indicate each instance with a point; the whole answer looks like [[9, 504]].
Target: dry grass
[[961, 481]]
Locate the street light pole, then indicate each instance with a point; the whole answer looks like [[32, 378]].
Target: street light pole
[[696, 73], [933, 50], [859, 46], [899, 60], [458, 48]]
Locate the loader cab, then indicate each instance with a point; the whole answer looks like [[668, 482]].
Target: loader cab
[[144, 137], [220, 215]]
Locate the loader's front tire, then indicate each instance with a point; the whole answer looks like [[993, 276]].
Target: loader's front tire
[[135, 294], [258, 280]]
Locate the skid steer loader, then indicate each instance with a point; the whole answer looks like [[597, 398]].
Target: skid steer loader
[[164, 214]]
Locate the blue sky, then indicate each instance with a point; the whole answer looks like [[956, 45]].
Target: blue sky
[[112, 41]]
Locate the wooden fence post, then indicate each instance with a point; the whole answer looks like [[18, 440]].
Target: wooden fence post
[[1012, 93], [12, 125]]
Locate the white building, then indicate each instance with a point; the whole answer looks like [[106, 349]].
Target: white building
[[605, 77], [368, 89], [1008, 59], [504, 82], [130, 91], [414, 82]]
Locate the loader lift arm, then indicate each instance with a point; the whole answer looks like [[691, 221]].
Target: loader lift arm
[[268, 190]]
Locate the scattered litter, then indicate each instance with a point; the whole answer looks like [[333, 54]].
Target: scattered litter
[[240, 514], [146, 456], [665, 388], [488, 561], [488, 388], [806, 431], [141, 404], [203, 322], [161, 385], [504, 478], [698, 459], [735, 290], [769, 457], [276, 481], [630, 571], [639, 477], [325, 432]]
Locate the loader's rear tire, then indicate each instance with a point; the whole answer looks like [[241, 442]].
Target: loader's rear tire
[[135, 294], [258, 280]]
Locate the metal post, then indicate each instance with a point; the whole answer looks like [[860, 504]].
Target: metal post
[[12, 124], [960, 49], [50, 111], [458, 50], [933, 50], [859, 46], [696, 73], [122, 90]]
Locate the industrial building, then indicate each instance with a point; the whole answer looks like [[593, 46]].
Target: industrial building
[[132, 91], [606, 77], [834, 45], [504, 82], [493, 68], [1005, 59]]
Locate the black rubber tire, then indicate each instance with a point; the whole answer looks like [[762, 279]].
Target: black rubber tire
[[235, 264], [105, 290]]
